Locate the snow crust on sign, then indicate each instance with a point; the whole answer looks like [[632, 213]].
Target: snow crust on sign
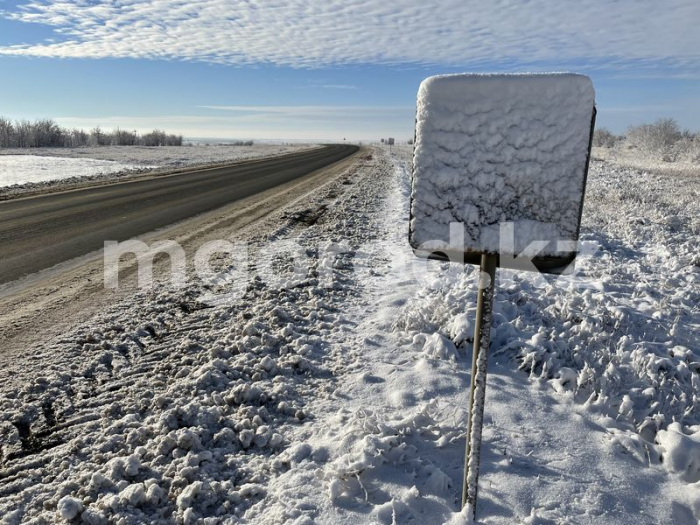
[[500, 148]]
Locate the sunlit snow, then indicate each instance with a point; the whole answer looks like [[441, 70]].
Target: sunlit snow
[[21, 169]]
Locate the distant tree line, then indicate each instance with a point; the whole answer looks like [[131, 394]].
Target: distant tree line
[[236, 143], [45, 133], [662, 140]]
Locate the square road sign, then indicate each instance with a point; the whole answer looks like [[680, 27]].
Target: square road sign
[[499, 167]]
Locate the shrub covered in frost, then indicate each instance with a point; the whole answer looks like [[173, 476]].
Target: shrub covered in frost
[[664, 140], [604, 138]]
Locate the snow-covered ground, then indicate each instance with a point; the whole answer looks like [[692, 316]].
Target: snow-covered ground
[[632, 158], [338, 395], [168, 156], [21, 169], [47, 166]]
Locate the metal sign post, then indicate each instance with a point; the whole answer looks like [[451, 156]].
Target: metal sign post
[[477, 389]]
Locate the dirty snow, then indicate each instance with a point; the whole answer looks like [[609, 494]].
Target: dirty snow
[[339, 397], [497, 148]]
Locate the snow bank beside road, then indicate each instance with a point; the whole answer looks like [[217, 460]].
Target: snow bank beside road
[[166, 410]]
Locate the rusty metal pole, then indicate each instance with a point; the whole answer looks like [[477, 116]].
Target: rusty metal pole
[[477, 390]]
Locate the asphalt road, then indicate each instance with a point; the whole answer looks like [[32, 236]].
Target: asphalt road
[[40, 232]]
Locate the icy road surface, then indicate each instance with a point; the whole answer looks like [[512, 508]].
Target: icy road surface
[[337, 395]]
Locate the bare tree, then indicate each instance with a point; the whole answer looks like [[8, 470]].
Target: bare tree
[[7, 133], [23, 133], [47, 133]]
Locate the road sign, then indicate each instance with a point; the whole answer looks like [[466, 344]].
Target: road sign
[[499, 172], [506, 157]]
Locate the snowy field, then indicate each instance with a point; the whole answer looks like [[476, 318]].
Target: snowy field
[[22, 169], [633, 158], [43, 165], [338, 395]]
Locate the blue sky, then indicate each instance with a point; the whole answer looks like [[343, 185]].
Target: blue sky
[[303, 69]]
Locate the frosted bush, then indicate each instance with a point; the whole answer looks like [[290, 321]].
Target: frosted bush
[[664, 140], [604, 138]]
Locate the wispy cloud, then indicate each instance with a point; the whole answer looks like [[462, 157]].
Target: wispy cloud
[[308, 33], [339, 86]]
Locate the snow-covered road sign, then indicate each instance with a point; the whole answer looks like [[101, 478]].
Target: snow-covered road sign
[[499, 167], [499, 173]]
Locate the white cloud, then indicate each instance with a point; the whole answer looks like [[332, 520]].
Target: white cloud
[[307, 33]]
